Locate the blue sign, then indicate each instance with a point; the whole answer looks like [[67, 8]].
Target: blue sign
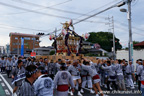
[[22, 46]]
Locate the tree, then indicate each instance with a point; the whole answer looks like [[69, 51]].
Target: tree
[[52, 52], [105, 39], [135, 42], [136, 47]]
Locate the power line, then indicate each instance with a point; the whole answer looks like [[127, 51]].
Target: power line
[[44, 7], [138, 33], [35, 30], [60, 10], [20, 8], [93, 10], [7, 26], [33, 4], [95, 14], [55, 15], [135, 2], [39, 30], [37, 9], [96, 9], [123, 24], [119, 4], [75, 13], [127, 30]]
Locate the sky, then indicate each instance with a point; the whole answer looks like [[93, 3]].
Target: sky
[[34, 16]]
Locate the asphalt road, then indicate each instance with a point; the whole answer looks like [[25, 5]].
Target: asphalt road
[[6, 89]]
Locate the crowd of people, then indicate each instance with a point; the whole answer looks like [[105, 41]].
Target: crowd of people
[[44, 77]]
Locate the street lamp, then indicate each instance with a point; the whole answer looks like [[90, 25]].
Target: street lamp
[[130, 29], [123, 10]]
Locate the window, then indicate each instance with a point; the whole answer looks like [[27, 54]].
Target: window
[[14, 43], [33, 38], [25, 43], [27, 38], [14, 49], [16, 38]]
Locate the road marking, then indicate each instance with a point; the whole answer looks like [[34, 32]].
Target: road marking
[[3, 84], [7, 92], [7, 84]]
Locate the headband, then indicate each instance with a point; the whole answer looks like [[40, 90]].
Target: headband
[[31, 72]]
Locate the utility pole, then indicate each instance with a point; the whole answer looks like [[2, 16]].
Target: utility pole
[[130, 44], [113, 39], [55, 37], [130, 31], [111, 25], [55, 32]]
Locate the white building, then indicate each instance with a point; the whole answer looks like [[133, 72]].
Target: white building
[[124, 54], [44, 50]]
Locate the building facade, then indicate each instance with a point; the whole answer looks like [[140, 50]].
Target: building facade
[[30, 42], [7, 49], [139, 45], [94, 49], [44, 51], [2, 50]]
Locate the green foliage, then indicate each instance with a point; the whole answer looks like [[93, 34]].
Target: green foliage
[[136, 47], [105, 39], [105, 54], [135, 42], [52, 52], [126, 48]]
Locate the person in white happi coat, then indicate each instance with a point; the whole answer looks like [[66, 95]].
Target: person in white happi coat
[[57, 65], [16, 72], [120, 76], [90, 67], [45, 65], [9, 65], [15, 60], [111, 73], [41, 62], [137, 64], [141, 73], [43, 86], [138, 73], [3, 63], [84, 73], [62, 80], [130, 73], [74, 69], [86, 79]]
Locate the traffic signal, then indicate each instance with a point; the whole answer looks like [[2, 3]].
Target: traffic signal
[[41, 34]]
